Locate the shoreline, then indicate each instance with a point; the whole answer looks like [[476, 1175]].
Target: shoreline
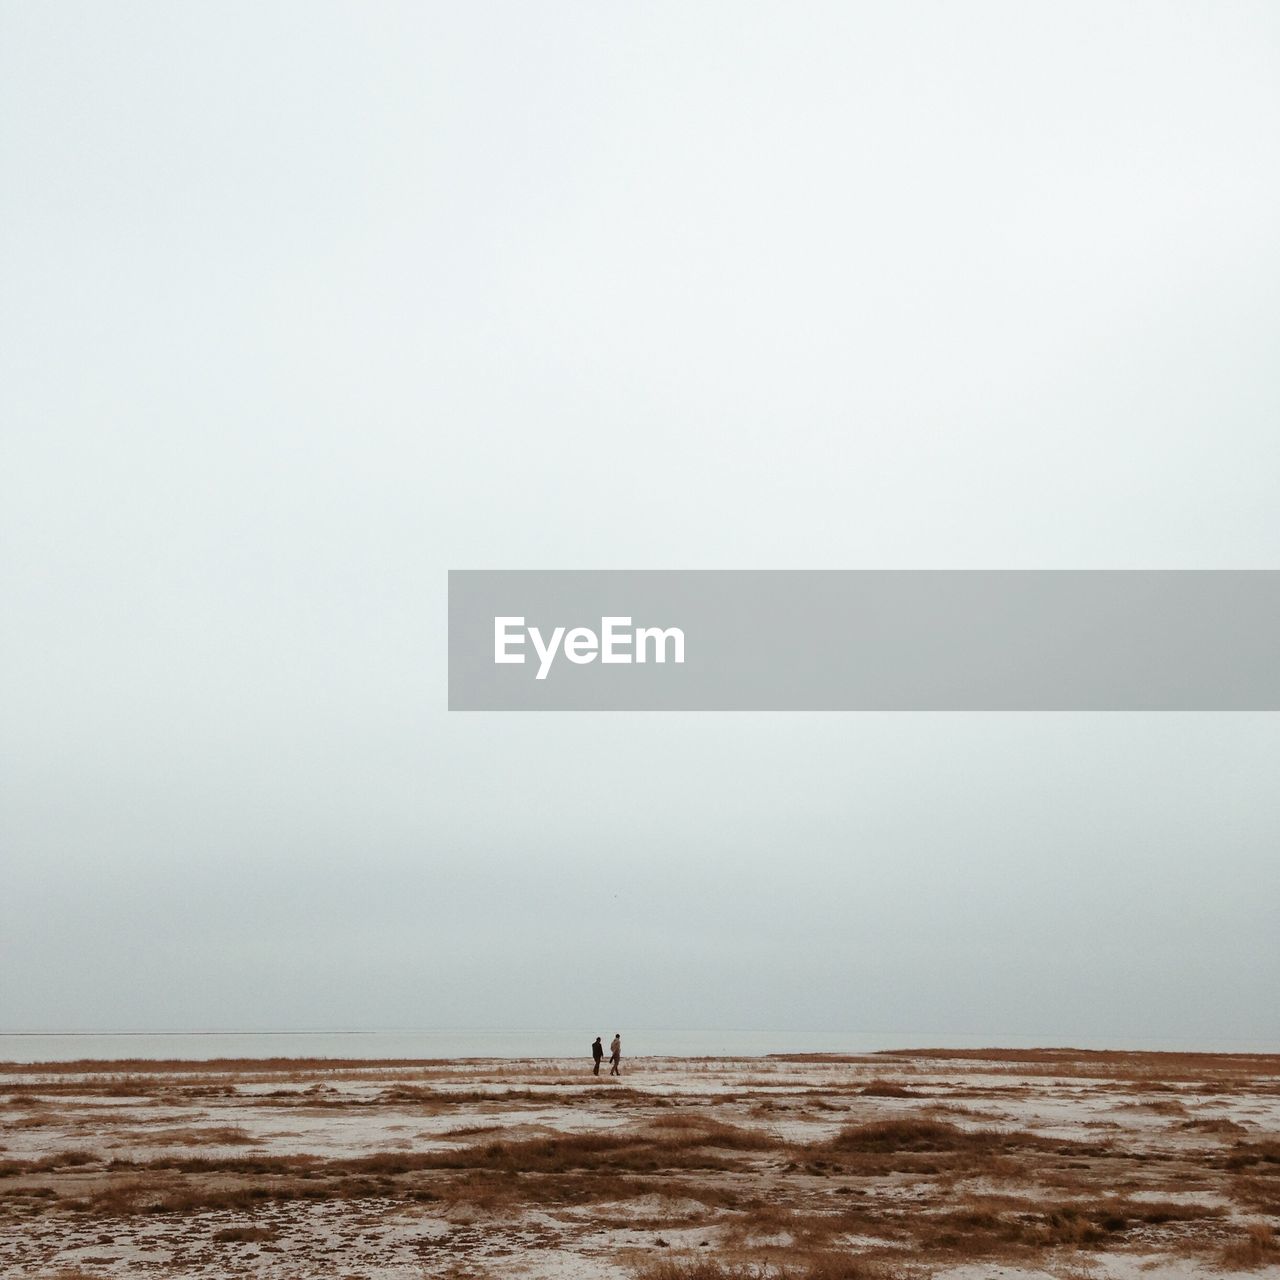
[[1049, 1055]]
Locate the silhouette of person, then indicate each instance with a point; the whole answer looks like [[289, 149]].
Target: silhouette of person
[[597, 1052], [615, 1054]]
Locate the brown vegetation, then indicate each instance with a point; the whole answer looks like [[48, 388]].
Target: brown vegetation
[[887, 1089], [819, 1170], [1257, 1248], [245, 1235], [810, 1266]]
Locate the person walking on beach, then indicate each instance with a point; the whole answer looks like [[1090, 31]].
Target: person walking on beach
[[597, 1052], [615, 1054]]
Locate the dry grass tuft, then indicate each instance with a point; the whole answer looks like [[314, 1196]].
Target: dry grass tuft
[[1246, 1155], [48, 1164], [1260, 1194], [916, 1133], [983, 1229], [887, 1089], [230, 1235], [818, 1265], [230, 1136], [661, 1146], [1215, 1125], [1258, 1247]]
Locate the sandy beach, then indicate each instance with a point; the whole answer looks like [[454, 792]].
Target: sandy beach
[[959, 1164]]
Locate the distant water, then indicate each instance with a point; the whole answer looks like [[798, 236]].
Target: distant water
[[47, 1047]]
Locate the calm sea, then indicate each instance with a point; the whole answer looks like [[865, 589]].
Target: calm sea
[[66, 1047]]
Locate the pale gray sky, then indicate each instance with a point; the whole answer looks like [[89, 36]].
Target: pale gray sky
[[303, 304]]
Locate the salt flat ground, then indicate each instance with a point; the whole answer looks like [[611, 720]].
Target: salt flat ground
[[960, 1164]]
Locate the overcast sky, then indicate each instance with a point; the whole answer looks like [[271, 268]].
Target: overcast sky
[[302, 305]]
